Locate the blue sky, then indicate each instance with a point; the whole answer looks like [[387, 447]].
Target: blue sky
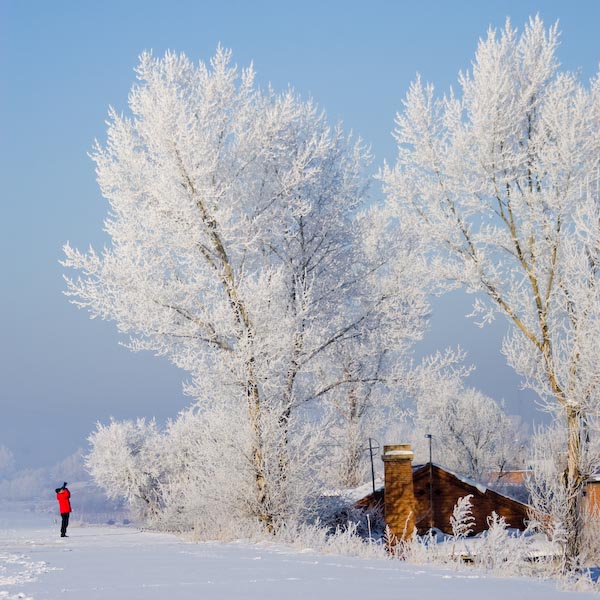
[[63, 63]]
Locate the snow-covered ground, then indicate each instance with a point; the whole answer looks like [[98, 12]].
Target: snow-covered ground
[[118, 563]]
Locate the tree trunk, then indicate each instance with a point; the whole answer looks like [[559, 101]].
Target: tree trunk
[[573, 485], [264, 511]]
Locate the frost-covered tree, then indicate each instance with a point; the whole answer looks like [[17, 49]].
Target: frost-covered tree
[[197, 474], [472, 433], [208, 483], [373, 372], [502, 180], [236, 249], [208, 477], [125, 460]]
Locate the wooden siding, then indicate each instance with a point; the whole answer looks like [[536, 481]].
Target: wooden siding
[[591, 498], [447, 489]]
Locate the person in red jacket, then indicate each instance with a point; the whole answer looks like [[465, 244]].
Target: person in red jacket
[[64, 506]]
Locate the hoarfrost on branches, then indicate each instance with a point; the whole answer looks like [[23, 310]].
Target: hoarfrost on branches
[[477, 437], [503, 181], [242, 250], [126, 462]]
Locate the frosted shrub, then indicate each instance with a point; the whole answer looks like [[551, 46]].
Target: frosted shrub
[[197, 475], [417, 549], [125, 460], [500, 551], [578, 581], [337, 510], [344, 539], [206, 472], [492, 552], [308, 535], [462, 519]]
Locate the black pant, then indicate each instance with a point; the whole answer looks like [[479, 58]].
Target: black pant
[[65, 524]]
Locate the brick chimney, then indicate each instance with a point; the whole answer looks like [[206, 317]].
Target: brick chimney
[[399, 493]]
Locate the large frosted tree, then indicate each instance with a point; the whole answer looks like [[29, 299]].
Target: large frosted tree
[[502, 179], [237, 251]]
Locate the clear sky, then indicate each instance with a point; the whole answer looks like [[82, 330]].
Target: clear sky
[[62, 64]]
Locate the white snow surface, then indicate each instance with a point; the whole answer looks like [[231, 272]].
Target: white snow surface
[[118, 563]]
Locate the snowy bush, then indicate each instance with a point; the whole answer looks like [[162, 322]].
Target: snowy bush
[[125, 461], [343, 539], [498, 549], [418, 549], [197, 475], [462, 519]]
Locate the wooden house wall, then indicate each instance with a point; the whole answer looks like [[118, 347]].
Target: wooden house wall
[[447, 489], [591, 498]]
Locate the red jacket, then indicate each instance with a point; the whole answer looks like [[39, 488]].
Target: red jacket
[[64, 505]]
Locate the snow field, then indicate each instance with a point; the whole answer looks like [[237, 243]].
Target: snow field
[[123, 563]]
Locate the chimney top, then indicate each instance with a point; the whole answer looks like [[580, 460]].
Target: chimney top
[[397, 452]]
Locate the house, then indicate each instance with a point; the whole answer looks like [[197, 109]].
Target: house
[[424, 496], [591, 497]]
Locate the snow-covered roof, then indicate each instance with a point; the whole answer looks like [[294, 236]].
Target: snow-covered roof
[[467, 480], [363, 491], [357, 493], [476, 484]]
